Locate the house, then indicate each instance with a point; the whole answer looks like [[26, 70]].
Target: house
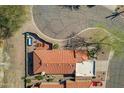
[[64, 62], [57, 61]]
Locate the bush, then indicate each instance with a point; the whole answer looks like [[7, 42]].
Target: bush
[[49, 80], [39, 77], [55, 46], [27, 80], [91, 53], [11, 19]]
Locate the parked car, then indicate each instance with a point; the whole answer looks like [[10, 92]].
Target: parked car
[[29, 41]]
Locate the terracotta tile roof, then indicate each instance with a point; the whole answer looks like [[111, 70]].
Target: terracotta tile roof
[[57, 68], [68, 84], [56, 61], [78, 84], [56, 56], [81, 55], [52, 85], [37, 62]]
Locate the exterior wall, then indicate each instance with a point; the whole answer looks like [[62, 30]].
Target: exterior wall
[[82, 78]]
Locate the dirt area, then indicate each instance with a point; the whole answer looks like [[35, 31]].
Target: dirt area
[[120, 8], [15, 49], [4, 63], [1, 67], [96, 35]]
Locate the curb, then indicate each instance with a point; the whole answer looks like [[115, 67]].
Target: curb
[[61, 40]]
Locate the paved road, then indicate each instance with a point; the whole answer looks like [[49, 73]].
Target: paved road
[[58, 22], [116, 72]]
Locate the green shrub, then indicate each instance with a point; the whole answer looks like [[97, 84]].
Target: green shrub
[[49, 80], [28, 80], [56, 46], [91, 53], [39, 77]]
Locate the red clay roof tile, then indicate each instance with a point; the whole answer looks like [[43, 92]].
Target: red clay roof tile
[[68, 84], [52, 85], [56, 61], [56, 56], [57, 68], [78, 84]]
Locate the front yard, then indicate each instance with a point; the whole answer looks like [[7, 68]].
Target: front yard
[[91, 35]]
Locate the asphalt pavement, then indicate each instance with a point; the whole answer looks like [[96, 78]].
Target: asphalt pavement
[[58, 22]]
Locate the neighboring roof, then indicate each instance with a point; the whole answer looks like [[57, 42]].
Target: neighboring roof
[[56, 61], [85, 68], [78, 84], [51, 85], [68, 84]]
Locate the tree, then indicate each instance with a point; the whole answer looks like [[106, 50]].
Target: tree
[[27, 80], [11, 19], [92, 46]]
